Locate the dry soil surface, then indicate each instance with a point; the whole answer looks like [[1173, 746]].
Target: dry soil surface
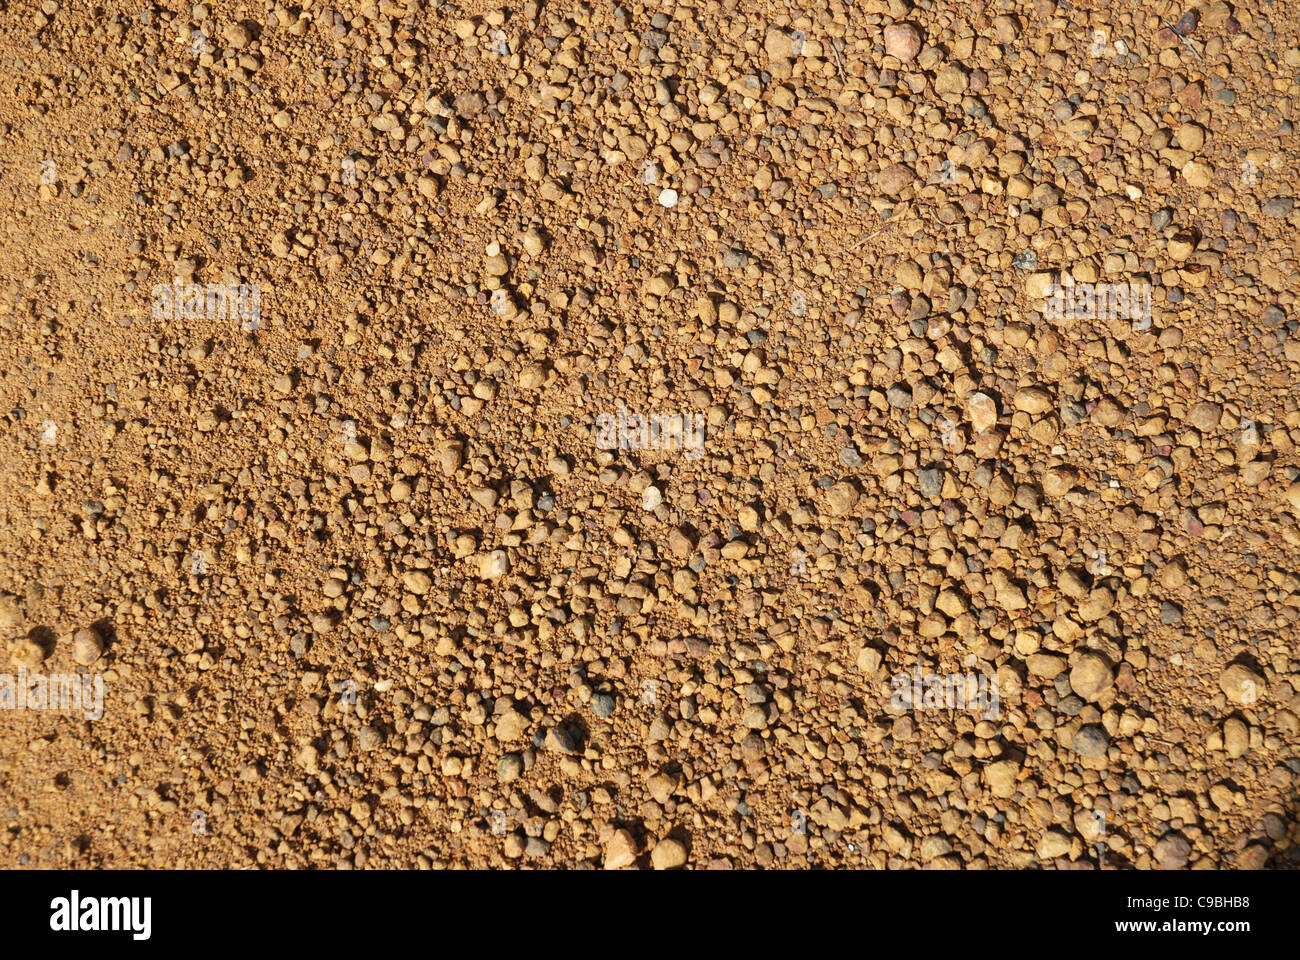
[[382, 565]]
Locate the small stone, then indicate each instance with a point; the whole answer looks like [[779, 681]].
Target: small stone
[[1242, 685], [982, 411], [237, 36], [620, 850], [735, 259], [1032, 400], [1187, 23], [1001, 777], [603, 704], [1091, 742], [510, 767], [952, 80], [894, 178], [417, 582], [899, 395], [1053, 844], [468, 105], [560, 739], [510, 726], [668, 198], [1236, 737], [869, 660], [902, 40], [1181, 246], [778, 44], [485, 497], [1091, 676], [1205, 416], [668, 854], [1173, 851], [661, 787], [651, 499], [493, 565], [87, 646], [513, 848], [450, 456], [1037, 285], [841, 497], [1097, 604], [369, 738], [1278, 206], [536, 847], [1191, 137], [26, 652], [532, 376]]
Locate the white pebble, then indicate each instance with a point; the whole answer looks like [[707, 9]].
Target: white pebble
[[493, 565], [651, 499], [668, 198]]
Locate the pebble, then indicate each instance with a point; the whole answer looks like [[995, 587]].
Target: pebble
[[1242, 685], [493, 565], [849, 457], [560, 739], [417, 582], [899, 395], [1001, 777], [1091, 742], [841, 497], [902, 41], [1173, 851], [620, 850], [668, 854], [510, 767], [1236, 737], [982, 411], [1091, 676], [87, 646], [894, 178]]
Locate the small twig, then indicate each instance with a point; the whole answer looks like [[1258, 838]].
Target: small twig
[[1187, 43], [896, 218], [839, 67]]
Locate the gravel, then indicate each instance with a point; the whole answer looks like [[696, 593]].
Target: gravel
[[851, 436]]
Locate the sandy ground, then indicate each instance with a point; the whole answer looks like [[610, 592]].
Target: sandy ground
[[720, 435]]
